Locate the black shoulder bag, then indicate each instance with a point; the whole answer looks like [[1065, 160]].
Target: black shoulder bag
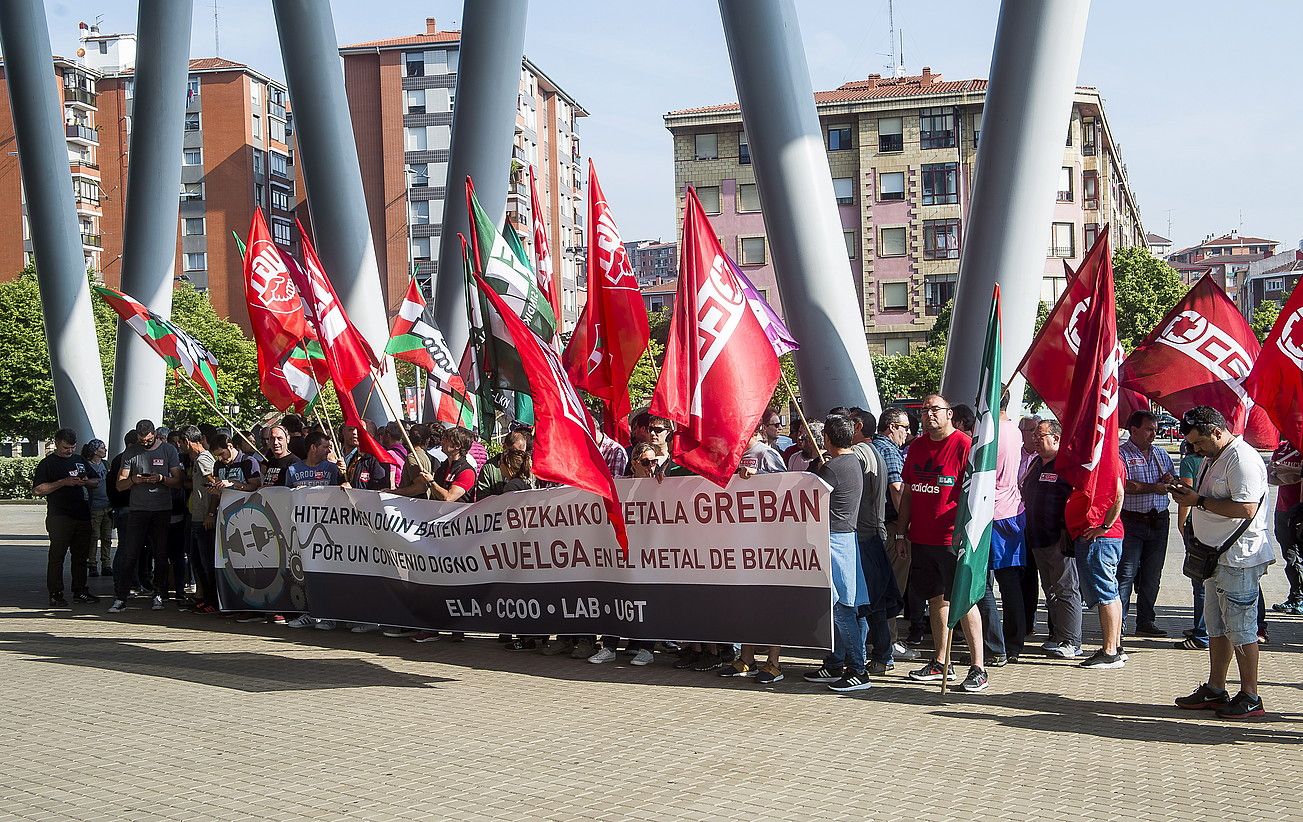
[[1200, 559]]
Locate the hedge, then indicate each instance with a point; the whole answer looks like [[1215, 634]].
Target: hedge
[[16, 475]]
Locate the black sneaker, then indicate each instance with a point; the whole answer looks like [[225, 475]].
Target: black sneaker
[[1102, 661], [707, 662], [975, 682], [1150, 630], [57, 601], [521, 644], [1204, 698], [851, 682], [824, 674], [1243, 706], [915, 639], [85, 596], [998, 661], [687, 661], [933, 672]]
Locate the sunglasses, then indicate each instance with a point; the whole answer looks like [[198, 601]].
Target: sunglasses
[[645, 463], [658, 429]]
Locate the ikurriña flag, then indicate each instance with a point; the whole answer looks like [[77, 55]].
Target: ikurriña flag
[[612, 333], [1276, 381], [178, 349], [720, 368], [565, 444], [1201, 354]]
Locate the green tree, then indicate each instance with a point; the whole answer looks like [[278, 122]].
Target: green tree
[[1145, 289], [940, 333], [1264, 317], [26, 387]]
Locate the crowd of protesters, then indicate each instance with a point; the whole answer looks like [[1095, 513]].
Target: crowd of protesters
[[896, 484]]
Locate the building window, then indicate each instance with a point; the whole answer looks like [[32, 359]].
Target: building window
[[1089, 233], [279, 164], [936, 127], [839, 138], [743, 149], [192, 191], [1277, 284], [895, 296], [1088, 136], [941, 239], [896, 346], [438, 137], [891, 186], [280, 199], [280, 231], [1069, 141], [849, 237], [420, 212], [192, 121], [414, 138], [192, 157], [748, 198], [940, 183], [891, 242], [191, 88], [709, 197], [257, 162], [937, 293], [276, 129], [259, 194], [1065, 185], [1061, 236], [415, 63], [420, 174], [706, 146], [1090, 189], [193, 226], [420, 248], [890, 134], [844, 189], [196, 261], [416, 101], [751, 250], [257, 126]]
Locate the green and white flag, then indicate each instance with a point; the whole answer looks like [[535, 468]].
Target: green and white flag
[[976, 514], [502, 261]]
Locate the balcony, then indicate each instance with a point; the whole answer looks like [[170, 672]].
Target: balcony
[[1062, 251], [276, 110], [84, 167], [92, 241], [82, 134], [1090, 205], [518, 153], [79, 97]]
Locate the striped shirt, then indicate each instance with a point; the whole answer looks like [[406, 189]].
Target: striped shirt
[[1146, 466]]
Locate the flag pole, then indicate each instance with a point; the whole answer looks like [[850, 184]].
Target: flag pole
[[402, 429], [821, 457], [234, 428]]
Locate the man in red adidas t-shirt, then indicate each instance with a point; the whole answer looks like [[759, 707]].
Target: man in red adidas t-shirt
[[932, 480]]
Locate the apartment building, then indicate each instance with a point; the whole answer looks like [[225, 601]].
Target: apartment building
[[80, 98], [653, 261], [902, 152], [1270, 279], [1227, 258], [401, 93]]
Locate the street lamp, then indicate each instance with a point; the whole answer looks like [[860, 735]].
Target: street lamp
[[232, 410]]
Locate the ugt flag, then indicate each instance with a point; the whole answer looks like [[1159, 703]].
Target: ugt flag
[[178, 349], [976, 515], [720, 368], [1201, 354], [775, 329], [1276, 381]]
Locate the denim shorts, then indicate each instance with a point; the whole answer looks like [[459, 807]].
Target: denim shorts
[[1097, 569], [1230, 605]]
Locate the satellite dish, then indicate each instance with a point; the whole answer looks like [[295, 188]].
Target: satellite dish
[[81, 52]]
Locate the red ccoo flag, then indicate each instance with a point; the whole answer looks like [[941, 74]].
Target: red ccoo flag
[[285, 371], [351, 356], [565, 445], [720, 368], [612, 332], [1201, 354], [1088, 453], [547, 280], [1276, 381]]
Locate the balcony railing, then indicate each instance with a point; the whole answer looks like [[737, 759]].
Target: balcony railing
[[276, 110], [92, 240], [77, 165], [1064, 251], [79, 132], [1092, 205], [79, 95]]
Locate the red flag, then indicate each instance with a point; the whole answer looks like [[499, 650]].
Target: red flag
[[612, 332], [1276, 381], [1088, 453], [351, 356], [565, 444], [276, 318], [1200, 354], [720, 369], [547, 279]]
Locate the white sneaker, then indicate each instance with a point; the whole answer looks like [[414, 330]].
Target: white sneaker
[[301, 621], [117, 607], [1064, 650], [603, 655], [157, 604], [900, 650], [325, 625], [643, 657], [364, 628]]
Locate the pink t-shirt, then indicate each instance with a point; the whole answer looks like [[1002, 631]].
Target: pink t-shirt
[[1008, 495]]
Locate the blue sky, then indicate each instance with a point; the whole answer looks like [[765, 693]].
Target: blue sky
[[1203, 99]]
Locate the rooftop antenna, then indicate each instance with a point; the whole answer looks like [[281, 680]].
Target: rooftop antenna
[[217, 37], [1169, 222], [897, 52]]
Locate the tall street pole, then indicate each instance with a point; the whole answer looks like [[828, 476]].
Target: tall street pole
[[52, 215]]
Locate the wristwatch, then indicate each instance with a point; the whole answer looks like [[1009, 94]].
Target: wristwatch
[[1200, 503]]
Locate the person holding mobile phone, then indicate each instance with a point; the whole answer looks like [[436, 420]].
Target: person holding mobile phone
[[150, 470]]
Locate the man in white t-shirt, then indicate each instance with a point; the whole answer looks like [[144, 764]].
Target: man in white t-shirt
[[1230, 489]]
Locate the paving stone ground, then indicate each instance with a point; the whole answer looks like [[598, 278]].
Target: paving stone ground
[[178, 716]]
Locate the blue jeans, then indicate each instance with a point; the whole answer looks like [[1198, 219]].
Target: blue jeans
[[848, 645], [1143, 550], [1200, 634], [884, 596]]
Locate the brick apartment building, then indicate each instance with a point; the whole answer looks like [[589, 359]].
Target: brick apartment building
[[902, 153], [1270, 279], [1226, 257], [401, 93], [653, 261]]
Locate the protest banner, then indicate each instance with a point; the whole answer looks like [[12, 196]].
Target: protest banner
[[748, 563]]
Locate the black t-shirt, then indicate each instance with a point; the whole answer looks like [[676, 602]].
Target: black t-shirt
[[117, 499], [1044, 495], [844, 474], [273, 473], [368, 473], [69, 501], [241, 470], [299, 446]]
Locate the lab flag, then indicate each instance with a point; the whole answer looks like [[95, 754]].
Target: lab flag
[[178, 349], [976, 515]]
